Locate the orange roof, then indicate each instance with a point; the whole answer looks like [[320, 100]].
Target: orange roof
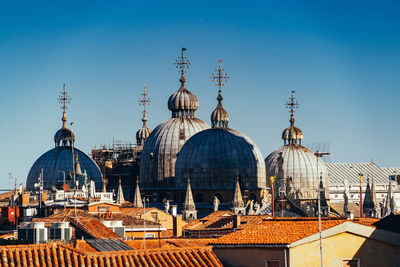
[[277, 231], [94, 228], [57, 254], [169, 243]]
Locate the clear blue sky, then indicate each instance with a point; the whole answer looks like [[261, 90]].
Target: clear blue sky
[[342, 58]]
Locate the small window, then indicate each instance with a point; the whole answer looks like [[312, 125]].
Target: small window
[[272, 263], [351, 263], [150, 235]]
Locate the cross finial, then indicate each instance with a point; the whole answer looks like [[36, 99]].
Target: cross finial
[[144, 101], [182, 63], [292, 103], [64, 99], [219, 78]]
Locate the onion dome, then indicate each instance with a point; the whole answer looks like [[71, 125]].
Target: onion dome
[[61, 161], [296, 168], [292, 134], [183, 103], [157, 162], [143, 133], [215, 156]]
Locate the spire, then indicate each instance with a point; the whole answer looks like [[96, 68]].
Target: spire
[[292, 135], [143, 133], [369, 205], [64, 99], [390, 206], [237, 198], [324, 203], [120, 194], [137, 201], [219, 117], [189, 208], [189, 203]]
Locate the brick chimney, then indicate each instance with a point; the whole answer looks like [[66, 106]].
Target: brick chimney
[[236, 221], [177, 225]]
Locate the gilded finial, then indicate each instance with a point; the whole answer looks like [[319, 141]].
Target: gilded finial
[[182, 63], [144, 101], [292, 104], [219, 78], [64, 99]]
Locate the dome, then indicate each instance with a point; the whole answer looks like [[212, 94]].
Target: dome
[[214, 157], [157, 163], [292, 134], [297, 170], [219, 117], [64, 137], [58, 160], [183, 103], [299, 165], [142, 134]]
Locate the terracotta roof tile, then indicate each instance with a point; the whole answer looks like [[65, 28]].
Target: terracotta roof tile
[[277, 231], [57, 254], [94, 228]]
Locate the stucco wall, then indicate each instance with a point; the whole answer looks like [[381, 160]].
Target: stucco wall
[[241, 257], [345, 246]]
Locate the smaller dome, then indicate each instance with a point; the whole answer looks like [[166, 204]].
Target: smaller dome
[[64, 137], [183, 103], [142, 135], [219, 117], [292, 134]]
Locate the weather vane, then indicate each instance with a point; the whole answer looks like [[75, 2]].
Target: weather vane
[[182, 62], [144, 100], [219, 78], [292, 103], [64, 99]]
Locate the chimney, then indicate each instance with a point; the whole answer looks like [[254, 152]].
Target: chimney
[[174, 210], [350, 215], [236, 221], [177, 225]]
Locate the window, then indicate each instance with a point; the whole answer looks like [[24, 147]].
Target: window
[[150, 235], [272, 263], [351, 263]]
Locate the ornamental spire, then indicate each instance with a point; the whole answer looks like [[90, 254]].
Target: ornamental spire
[[144, 101], [64, 99], [219, 117], [137, 201], [182, 63], [292, 105]]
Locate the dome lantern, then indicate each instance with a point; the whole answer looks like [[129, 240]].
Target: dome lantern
[[64, 136], [292, 135], [219, 117], [143, 133], [183, 103]]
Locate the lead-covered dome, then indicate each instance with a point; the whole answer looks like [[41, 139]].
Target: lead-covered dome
[[297, 169], [60, 160], [214, 157], [157, 162], [300, 171]]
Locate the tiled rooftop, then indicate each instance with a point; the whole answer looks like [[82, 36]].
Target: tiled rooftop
[[94, 228], [280, 231], [169, 243], [56, 254]]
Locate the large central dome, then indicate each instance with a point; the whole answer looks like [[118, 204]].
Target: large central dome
[[157, 163], [214, 157]]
